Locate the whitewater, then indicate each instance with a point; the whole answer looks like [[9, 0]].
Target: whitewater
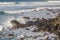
[[15, 11]]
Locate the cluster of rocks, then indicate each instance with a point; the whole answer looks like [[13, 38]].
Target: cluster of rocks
[[44, 25]]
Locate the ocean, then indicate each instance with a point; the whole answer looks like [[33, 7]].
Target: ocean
[[11, 10], [21, 0]]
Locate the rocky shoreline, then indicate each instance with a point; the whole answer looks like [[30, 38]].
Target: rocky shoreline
[[47, 26], [33, 28]]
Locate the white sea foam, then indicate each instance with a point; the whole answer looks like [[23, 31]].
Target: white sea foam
[[27, 4], [31, 3], [12, 7], [30, 10], [21, 20], [1, 28]]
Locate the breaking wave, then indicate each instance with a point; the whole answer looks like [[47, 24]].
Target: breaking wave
[[19, 7]]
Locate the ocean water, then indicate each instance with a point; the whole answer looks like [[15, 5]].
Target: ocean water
[[10, 11], [20, 0], [13, 11]]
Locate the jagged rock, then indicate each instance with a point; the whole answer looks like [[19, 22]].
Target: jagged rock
[[29, 23], [40, 22], [16, 24]]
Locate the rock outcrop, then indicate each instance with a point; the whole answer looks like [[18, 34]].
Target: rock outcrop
[[16, 24]]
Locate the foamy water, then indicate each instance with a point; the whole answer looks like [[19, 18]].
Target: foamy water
[[24, 9], [30, 9], [11, 6], [13, 10]]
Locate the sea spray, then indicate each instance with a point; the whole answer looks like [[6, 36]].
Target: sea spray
[[1, 28], [21, 20]]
